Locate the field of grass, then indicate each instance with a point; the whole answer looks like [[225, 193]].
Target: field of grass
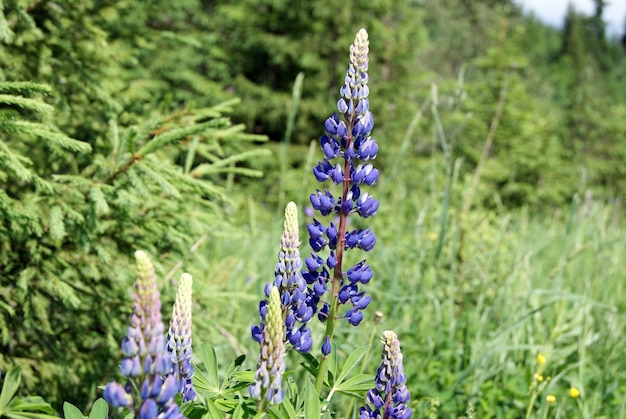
[[479, 301]]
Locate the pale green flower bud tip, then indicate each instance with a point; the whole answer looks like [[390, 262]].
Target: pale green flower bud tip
[[185, 284], [361, 37], [291, 219], [389, 336], [144, 265], [182, 305]]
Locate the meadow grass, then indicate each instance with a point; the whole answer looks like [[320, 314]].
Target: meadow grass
[[505, 288]]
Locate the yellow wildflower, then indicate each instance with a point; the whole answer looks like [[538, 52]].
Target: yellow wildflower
[[432, 236], [541, 359], [574, 392], [550, 398]]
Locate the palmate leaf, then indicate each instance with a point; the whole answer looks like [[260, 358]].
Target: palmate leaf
[[209, 380]]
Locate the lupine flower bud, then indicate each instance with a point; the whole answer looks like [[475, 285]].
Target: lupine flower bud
[[267, 387], [326, 347], [147, 364], [389, 397], [179, 338]]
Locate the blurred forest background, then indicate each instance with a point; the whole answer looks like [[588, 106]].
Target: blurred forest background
[[175, 126]]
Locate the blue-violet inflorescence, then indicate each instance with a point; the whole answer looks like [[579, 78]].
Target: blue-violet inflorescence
[[179, 338], [389, 398], [295, 305], [348, 149], [151, 386]]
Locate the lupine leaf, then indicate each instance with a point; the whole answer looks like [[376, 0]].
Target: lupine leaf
[[239, 412], [355, 384], [72, 412], [9, 387], [352, 360], [311, 364], [213, 411], [311, 402], [33, 404], [99, 410], [290, 411], [207, 355], [242, 378], [28, 415], [275, 412]]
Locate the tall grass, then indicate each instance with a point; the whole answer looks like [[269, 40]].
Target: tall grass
[[472, 321]]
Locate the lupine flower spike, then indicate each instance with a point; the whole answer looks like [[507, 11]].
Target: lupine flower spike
[[348, 148], [151, 387], [267, 388], [179, 338], [296, 312], [388, 399]]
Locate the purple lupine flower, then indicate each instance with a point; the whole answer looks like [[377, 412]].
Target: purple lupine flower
[[151, 386], [267, 387], [389, 397], [179, 338], [296, 305], [348, 149]]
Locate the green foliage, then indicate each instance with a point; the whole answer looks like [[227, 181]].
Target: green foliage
[[223, 396], [99, 410], [71, 218], [114, 135], [12, 407]]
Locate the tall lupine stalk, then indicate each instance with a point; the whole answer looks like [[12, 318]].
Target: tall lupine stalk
[[285, 313], [389, 397], [179, 338], [151, 386], [347, 147]]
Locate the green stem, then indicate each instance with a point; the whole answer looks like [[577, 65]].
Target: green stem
[[338, 270]]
